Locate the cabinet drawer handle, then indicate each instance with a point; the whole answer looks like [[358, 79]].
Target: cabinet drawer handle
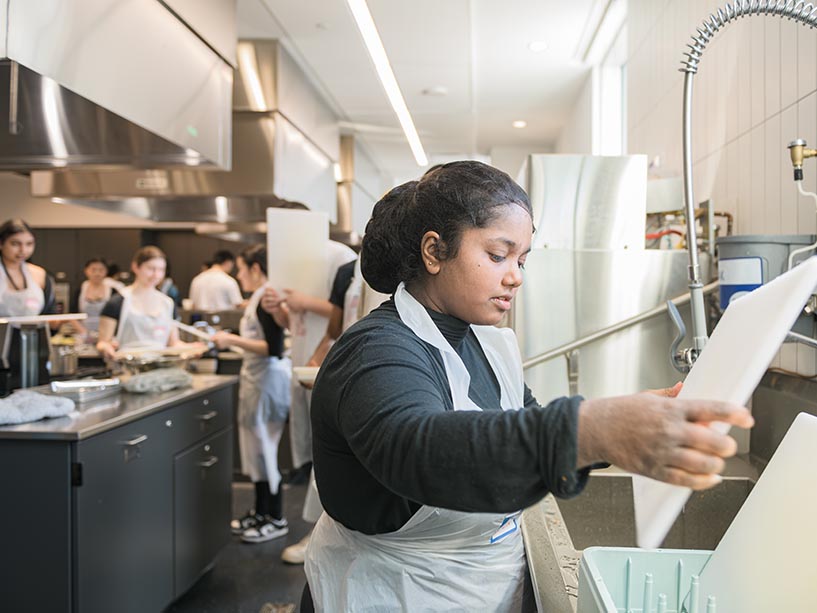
[[137, 440], [208, 416], [209, 462]]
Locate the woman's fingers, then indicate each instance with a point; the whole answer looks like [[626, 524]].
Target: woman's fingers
[[715, 410], [705, 439], [677, 476], [695, 462], [668, 392]]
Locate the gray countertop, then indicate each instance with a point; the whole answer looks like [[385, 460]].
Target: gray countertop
[[93, 418]]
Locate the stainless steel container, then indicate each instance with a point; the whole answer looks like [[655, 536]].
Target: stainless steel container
[[64, 360]]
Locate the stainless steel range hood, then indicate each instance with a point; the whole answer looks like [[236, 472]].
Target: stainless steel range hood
[[274, 162], [111, 84]]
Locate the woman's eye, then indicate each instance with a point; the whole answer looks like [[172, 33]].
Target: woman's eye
[[521, 265], [496, 258]]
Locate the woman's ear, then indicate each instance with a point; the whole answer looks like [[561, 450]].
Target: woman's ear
[[429, 251]]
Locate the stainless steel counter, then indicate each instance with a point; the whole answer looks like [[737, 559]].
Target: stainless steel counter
[[96, 417]]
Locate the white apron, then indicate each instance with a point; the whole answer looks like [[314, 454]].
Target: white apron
[[16, 303], [441, 560], [139, 330], [93, 308], [263, 403]]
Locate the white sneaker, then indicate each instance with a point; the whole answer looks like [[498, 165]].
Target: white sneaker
[[295, 554]]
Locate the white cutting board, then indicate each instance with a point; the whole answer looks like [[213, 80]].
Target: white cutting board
[[297, 250], [729, 368], [767, 560]]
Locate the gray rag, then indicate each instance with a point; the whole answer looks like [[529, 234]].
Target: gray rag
[[24, 406], [160, 380]]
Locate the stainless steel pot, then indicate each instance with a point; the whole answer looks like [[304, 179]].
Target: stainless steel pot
[[64, 360]]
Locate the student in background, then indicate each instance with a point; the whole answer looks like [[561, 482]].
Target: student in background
[[214, 289]]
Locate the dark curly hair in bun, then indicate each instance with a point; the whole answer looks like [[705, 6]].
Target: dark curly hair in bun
[[448, 199]]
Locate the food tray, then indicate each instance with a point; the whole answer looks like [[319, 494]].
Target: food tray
[[86, 390]]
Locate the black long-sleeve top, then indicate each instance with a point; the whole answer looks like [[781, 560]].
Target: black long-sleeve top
[[387, 440]]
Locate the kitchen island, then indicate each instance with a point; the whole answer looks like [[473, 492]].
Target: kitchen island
[[119, 506]]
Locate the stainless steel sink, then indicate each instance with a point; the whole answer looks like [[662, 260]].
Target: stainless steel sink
[[603, 514]]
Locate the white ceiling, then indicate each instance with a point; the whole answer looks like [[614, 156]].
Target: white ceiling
[[476, 49]]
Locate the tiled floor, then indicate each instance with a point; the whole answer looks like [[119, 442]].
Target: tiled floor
[[251, 578]]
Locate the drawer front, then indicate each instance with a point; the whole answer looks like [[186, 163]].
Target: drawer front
[[202, 508], [201, 417]]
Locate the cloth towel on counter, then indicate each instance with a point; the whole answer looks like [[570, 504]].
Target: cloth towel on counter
[[160, 380], [24, 406]]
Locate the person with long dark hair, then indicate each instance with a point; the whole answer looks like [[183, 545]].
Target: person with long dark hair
[[428, 443], [263, 399], [25, 289]]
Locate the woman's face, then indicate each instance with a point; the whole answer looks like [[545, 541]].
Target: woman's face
[[149, 273], [18, 247], [249, 277], [479, 284], [95, 272]]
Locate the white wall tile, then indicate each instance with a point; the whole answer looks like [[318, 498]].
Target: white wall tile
[[788, 192], [806, 61], [756, 158], [788, 62], [773, 169], [757, 33], [743, 219], [807, 128], [744, 78], [771, 50]]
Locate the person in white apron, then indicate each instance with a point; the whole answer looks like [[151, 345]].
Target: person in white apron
[[427, 441], [347, 308], [308, 319], [93, 294], [264, 397], [141, 317], [25, 289]]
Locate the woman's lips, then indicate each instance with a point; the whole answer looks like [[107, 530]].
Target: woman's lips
[[503, 302]]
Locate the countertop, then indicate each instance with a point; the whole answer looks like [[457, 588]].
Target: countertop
[[95, 417]]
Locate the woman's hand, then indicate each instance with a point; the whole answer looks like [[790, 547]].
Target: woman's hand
[[107, 348], [223, 339], [660, 437], [297, 301], [196, 349], [271, 300]]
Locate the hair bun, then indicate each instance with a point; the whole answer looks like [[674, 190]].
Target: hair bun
[[383, 251]]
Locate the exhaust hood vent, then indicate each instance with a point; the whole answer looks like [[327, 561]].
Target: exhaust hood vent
[[273, 161], [91, 83]]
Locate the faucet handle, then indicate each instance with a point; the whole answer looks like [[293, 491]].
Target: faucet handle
[[681, 359]]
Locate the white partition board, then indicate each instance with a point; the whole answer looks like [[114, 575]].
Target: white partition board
[[729, 368], [297, 250], [767, 560]]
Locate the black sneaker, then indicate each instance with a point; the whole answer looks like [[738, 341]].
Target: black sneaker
[[250, 520], [270, 528]]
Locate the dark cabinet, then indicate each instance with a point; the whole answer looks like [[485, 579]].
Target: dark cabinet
[[202, 473], [124, 520], [124, 528]]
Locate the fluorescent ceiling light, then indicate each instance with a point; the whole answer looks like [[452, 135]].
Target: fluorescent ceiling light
[[538, 46], [520, 123], [365, 23], [612, 19]]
